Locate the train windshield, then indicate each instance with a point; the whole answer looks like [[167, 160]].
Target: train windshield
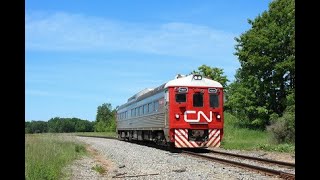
[[214, 100], [197, 100], [181, 98]]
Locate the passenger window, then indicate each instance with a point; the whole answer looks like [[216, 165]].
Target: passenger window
[[145, 109], [197, 100], [150, 107], [156, 106], [181, 98], [141, 110]]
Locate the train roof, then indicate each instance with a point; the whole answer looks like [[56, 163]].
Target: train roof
[[192, 82], [180, 80], [142, 94], [134, 97]]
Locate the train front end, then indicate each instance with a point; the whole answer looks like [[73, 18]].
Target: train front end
[[195, 112]]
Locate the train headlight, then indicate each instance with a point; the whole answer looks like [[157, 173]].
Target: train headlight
[[177, 116], [218, 116], [197, 77]]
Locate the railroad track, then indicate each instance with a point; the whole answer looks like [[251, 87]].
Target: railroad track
[[281, 163], [260, 169]]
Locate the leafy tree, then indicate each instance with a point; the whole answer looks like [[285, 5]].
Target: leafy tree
[[213, 73], [101, 126], [27, 127], [83, 125], [36, 127], [267, 74], [105, 119], [54, 125]]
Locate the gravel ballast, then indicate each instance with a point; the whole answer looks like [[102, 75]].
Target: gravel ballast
[[133, 161]]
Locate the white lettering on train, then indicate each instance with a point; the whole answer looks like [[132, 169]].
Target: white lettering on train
[[198, 117]]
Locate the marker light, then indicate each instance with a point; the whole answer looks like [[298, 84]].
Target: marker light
[[213, 90], [177, 116], [183, 89]]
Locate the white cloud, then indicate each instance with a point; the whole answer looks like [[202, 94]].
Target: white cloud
[[74, 32]]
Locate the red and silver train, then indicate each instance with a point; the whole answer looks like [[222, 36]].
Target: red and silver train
[[186, 112]]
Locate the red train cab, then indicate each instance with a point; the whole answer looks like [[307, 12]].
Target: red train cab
[[195, 112]]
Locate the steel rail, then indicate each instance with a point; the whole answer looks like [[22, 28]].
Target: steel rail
[[254, 158], [281, 174]]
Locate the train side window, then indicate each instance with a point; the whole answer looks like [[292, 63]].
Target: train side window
[[150, 107], [197, 100], [156, 106], [137, 111], [132, 113], [141, 110], [181, 98], [145, 109]]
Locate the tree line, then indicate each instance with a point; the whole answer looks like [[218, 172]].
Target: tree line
[[59, 125], [105, 122]]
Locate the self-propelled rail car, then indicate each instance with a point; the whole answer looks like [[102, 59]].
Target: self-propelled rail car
[[186, 112]]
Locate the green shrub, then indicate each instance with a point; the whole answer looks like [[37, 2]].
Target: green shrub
[[283, 128]]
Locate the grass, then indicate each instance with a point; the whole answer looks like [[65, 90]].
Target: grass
[[248, 139], [106, 134], [47, 154], [99, 169]]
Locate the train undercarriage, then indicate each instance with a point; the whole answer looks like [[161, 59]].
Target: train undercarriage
[[156, 136], [192, 139]]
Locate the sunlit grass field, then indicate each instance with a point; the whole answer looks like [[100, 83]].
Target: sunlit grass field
[[248, 139], [47, 154]]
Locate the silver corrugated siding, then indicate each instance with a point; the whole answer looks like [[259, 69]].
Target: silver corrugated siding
[[146, 122]]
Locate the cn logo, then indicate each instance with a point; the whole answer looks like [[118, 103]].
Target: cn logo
[[198, 117]]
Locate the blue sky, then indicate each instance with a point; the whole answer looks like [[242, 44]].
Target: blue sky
[[81, 54]]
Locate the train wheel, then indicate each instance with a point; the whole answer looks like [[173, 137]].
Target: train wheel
[[172, 148]]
